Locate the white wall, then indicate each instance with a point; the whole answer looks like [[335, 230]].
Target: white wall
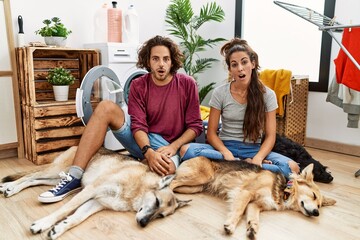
[[79, 17], [325, 121], [8, 133], [281, 37]]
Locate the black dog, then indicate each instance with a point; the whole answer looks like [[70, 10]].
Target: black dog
[[296, 152]]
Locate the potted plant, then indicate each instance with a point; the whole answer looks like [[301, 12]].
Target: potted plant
[[54, 32], [184, 24], [60, 78]]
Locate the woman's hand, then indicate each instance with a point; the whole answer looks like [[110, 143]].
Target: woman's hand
[[256, 161], [228, 155], [266, 161]]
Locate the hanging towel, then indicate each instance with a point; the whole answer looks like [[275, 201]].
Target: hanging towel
[[279, 81], [346, 71], [347, 99]]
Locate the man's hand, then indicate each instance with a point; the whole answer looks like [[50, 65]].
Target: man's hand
[[168, 150], [159, 162]]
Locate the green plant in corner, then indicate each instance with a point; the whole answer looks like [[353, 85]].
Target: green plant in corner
[[60, 76], [184, 24], [53, 28]]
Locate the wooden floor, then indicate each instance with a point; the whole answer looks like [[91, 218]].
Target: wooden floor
[[203, 219]]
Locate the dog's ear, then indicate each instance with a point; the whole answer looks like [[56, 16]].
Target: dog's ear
[[307, 173], [182, 203], [326, 201], [165, 181]]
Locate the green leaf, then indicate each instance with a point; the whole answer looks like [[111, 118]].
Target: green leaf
[[202, 64], [209, 12], [203, 92], [183, 24], [53, 28], [60, 76]]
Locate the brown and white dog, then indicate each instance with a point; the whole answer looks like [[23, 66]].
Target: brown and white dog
[[247, 187], [111, 181]]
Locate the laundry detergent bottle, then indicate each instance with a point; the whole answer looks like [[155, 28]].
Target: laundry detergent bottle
[[131, 26], [101, 24], [114, 23]]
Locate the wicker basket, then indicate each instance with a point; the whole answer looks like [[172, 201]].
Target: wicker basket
[[293, 123]]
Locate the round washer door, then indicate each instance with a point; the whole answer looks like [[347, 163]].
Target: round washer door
[[129, 76], [100, 83]]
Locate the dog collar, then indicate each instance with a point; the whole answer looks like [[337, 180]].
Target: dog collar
[[288, 190]]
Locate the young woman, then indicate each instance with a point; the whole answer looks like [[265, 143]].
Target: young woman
[[247, 111]]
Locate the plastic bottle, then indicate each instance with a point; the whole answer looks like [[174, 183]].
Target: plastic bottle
[[101, 24], [114, 23], [132, 29]]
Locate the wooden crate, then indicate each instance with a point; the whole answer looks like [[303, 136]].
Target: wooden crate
[[50, 127], [293, 123], [35, 62]]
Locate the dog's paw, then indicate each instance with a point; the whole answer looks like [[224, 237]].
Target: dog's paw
[[8, 189], [2, 187], [53, 234], [57, 230], [40, 226], [229, 228], [251, 233]]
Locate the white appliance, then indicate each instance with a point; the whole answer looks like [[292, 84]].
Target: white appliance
[[110, 81]]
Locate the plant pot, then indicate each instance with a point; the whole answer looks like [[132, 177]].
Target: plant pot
[[61, 92], [55, 41]]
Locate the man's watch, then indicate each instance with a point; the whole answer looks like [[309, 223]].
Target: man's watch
[[145, 148]]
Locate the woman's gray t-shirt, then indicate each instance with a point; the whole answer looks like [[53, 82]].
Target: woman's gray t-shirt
[[232, 112]]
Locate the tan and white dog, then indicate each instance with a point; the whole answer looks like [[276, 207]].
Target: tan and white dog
[[111, 181], [247, 187]]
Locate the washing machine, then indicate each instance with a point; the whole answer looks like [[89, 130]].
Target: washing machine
[[109, 81]]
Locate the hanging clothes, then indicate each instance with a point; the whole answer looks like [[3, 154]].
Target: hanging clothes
[[347, 99], [346, 71]]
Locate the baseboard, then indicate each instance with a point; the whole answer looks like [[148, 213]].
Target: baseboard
[[8, 150], [8, 153], [333, 146]]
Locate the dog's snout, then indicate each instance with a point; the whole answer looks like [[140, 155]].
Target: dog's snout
[[143, 222], [324, 178], [329, 179], [315, 212]]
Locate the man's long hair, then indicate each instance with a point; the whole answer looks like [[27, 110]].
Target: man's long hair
[[145, 52]]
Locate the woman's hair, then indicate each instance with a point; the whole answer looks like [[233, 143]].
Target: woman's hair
[[254, 120], [145, 52]]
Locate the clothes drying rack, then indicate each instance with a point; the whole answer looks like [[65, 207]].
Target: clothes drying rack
[[324, 23]]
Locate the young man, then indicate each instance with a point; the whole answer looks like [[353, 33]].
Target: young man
[[164, 112]]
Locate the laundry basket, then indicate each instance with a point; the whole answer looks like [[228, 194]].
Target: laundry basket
[[293, 123]]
